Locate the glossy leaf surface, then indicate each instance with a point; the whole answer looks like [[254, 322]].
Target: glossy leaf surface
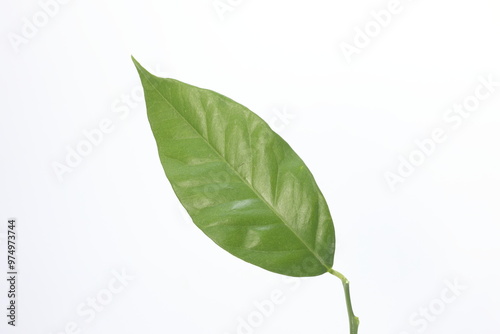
[[240, 182]]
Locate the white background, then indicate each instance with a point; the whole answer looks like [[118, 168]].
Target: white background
[[350, 122]]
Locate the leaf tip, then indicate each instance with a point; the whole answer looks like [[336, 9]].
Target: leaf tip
[[139, 67], [141, 70]]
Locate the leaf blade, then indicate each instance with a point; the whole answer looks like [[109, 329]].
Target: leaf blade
[[240, 182]]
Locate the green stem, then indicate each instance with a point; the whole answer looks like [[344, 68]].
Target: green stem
[[353, 320]]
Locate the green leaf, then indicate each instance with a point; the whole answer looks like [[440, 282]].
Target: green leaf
[[240, 182]]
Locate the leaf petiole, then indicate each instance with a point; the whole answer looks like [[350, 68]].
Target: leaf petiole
[[353, 320]]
